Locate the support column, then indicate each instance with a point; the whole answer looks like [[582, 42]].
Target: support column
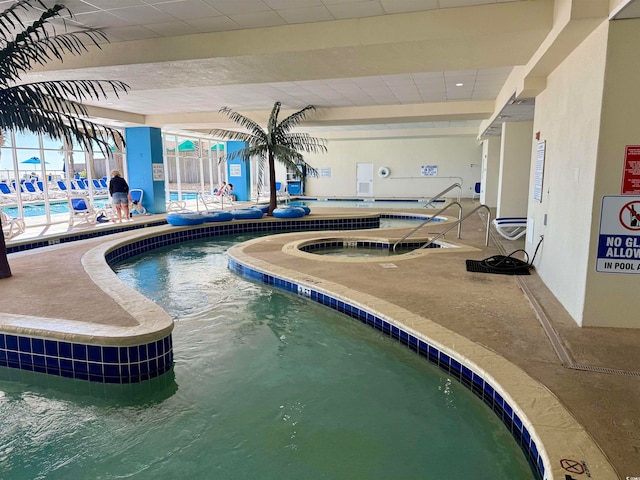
[[239, 173], [490, 171], [515, 162], [145, 168]]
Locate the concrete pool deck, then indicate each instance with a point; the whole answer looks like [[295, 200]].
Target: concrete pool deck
[[436, 290]]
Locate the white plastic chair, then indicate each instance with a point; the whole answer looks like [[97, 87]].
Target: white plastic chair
[[81, 210], [511, 228], [11, 226]]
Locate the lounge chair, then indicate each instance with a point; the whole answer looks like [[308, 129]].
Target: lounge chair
[[32, 191], [511, 228], [98, 189], [135, 205], [11, 226], [81, 210], [6, 194], [215, 202]]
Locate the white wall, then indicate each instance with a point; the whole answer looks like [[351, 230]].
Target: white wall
[[515, 160], [612, 299], [458, 160], [567, 116]]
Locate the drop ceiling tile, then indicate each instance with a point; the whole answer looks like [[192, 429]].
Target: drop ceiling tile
[[305, 15], [368, 8], [141, 15], [283, 4], [213, 24], [233, 7], [404, 6], [188, 9], [258, 19], [100, 20], [109, 4], [132, 33], [170, 29]]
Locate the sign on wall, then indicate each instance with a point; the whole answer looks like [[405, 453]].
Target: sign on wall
[[429, 170], [235, 170], [631, 172], [539, 173], [158, 172], [619, 241], [325, 173]]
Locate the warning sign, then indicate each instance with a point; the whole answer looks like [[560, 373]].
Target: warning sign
[[572, 466], [619, 241], [631, 174]]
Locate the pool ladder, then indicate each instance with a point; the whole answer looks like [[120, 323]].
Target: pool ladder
[[457, 223], [428, 203]]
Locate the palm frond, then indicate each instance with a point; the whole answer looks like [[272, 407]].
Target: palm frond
[[244, 122], [294, 119]]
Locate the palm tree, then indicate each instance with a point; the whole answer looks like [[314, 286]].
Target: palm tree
[[52, 108], [276, 143]]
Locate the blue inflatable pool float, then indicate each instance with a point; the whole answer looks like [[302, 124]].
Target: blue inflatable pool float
[[185, 218], [247, 213], [217, 216], [289, 212], [262, 208]]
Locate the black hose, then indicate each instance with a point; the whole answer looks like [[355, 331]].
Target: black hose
[[505, 264]]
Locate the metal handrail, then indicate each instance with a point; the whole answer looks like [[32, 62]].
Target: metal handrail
[[459, 222], [430, 219], [449, 188]]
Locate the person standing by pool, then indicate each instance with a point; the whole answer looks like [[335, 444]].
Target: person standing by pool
[[119, 191]]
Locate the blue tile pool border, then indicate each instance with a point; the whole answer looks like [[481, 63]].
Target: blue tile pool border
[[95, 363], [464, 374], [47, 242], [135, 363]]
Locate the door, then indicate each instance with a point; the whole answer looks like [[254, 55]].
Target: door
[[364, 179]]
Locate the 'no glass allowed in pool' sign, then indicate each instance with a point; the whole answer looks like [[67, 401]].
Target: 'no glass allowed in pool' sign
[[619, 242]]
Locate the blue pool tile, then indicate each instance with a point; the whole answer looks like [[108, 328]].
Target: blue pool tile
[[151, 349], [53, 362], [3, 345], [111, 371], [109, 355], [94, 353], [134, 354], [13, 359], [24, 344], [79, 351], [65, 350], [26, 359], [12, 342], [142, 352], [37, 346], [80, 366], [51, 348]]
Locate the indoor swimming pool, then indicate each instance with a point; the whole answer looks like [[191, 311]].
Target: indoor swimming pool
[[265, 385]]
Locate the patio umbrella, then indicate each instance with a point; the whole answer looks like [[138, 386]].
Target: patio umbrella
[[33, 161]]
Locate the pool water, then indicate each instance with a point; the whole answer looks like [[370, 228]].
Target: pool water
[[38, 209], [361, 203], [266, 385]]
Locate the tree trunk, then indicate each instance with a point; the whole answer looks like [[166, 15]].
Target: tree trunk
[[5, 270], [273, 199]]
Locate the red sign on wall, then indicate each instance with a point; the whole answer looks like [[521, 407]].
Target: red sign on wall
[[631, 173]]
